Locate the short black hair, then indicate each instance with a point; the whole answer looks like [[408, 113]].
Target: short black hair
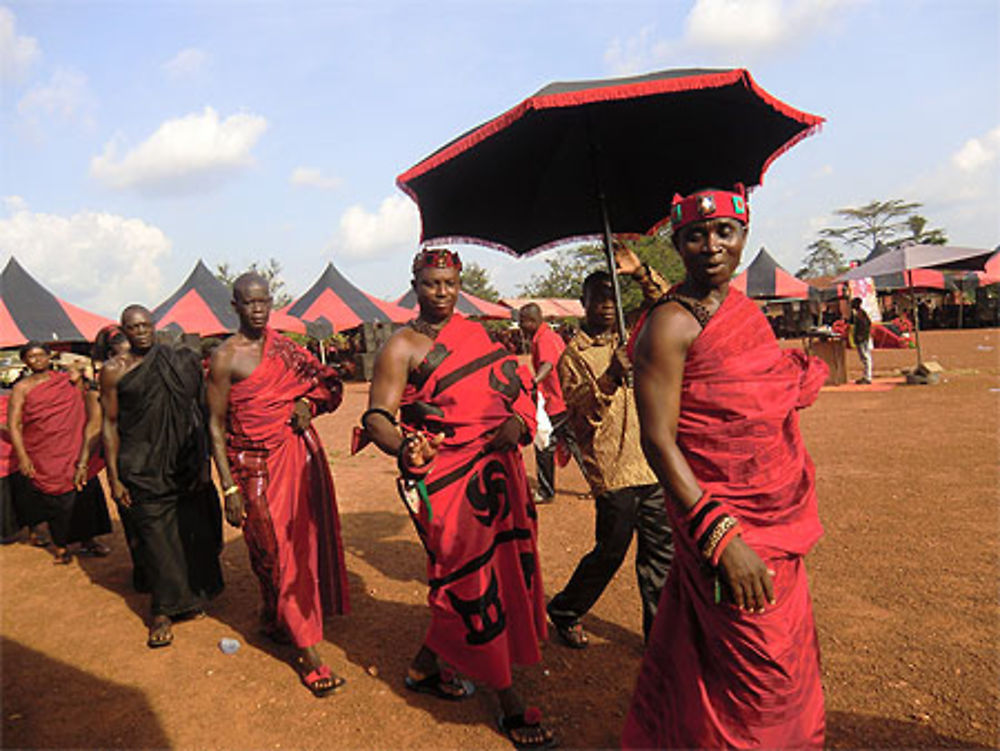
[[134, 308], [34, 344], [593, 279]]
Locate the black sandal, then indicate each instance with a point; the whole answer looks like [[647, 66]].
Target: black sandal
[[573, 635], [433, 685], [530, 719]]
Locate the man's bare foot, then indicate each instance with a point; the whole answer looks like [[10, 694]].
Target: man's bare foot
[[160, 633]]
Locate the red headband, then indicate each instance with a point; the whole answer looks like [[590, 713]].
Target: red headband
[[709, 204], [436, 258]]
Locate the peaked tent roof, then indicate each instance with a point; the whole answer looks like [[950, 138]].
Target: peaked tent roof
[[923, 278], [765, 279], [468, 305], [29, 311], [334, 299], [201, 305]]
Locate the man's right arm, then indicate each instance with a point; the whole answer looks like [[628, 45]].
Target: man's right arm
[[392, 366], [111, 373], [15, 413], [217, 395]]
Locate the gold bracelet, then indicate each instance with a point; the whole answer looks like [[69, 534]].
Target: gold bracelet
[[726, 524], [231, 490]]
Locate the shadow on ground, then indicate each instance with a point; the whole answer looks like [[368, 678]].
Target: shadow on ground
[[36, 714]]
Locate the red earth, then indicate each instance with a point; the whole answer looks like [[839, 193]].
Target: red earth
[[904, 585]]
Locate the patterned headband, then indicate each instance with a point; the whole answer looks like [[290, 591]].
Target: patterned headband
[[709, 204], [436, 258]]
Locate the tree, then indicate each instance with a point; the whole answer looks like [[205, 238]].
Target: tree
[[874, 223], [917, 225], [271, 271], [476, 281], [823, 259], [566, 271]]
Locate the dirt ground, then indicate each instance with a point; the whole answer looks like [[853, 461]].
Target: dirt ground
[[904, 585]]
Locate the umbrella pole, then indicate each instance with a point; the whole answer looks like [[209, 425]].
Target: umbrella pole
[[609, 254]]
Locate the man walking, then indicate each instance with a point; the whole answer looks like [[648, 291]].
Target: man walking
[[263, 391], [863, 339], [156, 447]]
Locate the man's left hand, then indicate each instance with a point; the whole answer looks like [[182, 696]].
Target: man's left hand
[[301, 416], [507, 436]]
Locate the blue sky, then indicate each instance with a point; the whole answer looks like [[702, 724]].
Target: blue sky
[[136, 138]]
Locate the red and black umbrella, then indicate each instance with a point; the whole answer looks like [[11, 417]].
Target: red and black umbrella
[[203, 305], [765, 279], [29, 311], [584, 158], [336, 301], [467, 305]]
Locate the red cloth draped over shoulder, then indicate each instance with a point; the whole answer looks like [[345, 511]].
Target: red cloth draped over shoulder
[[293, 525], [480, 533], [8, 457], [713, 676], [52, 423]]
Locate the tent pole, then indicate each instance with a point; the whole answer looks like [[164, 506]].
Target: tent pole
[[916, 315], [609, 254]]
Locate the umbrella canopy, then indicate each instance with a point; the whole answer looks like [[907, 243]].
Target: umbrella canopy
[[202, 305], [545, 171], [468, 305], [29, 311], [551, 307], [338, 302], [765, 279], [908, 258], [989, 275]]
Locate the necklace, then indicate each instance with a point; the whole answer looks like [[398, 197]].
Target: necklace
[[427, 329]]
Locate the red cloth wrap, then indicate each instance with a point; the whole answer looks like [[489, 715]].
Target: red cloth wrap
[[547, 347], [292, 528], [52, 423], [8, 457], [486, 598], [714, 676]]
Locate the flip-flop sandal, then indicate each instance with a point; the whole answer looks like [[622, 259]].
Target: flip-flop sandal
[[530, 719], [433, 685], [98, 550], [63, 559], [158, 638], [312, 679], [573, 636]]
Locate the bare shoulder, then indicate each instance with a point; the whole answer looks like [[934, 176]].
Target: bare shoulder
[[112, 371], [222, 356], [669, 328]]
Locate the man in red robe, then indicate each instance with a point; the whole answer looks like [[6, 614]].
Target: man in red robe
[[263, 391], [464, 409], [732, 660], [47, 417]]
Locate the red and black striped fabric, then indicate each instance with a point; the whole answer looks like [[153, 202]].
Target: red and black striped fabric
[[202, 305], [765, 279], [468, 305], [336, 301], [29, 311]]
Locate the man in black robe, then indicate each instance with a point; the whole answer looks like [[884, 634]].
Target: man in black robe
[[156, 447]]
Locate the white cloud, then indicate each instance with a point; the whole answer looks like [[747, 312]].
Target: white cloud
[[395, 227], [95, 260], [185, 154], [959, 194], [66, 96], [17, 53], [186, 63], [312, 178], [729, 31]]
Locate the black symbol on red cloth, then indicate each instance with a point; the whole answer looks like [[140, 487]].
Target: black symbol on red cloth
[[512, 387], [528, 568], [490, 496], [482, 627]]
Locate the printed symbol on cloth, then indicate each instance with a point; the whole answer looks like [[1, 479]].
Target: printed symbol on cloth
[[512, 387], [482, 627], [490, 497], [528, 565], [425, 416], [430, 363]]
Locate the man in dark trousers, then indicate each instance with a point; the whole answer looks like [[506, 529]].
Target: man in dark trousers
[[863, 339], [629, 500], [156, 447]]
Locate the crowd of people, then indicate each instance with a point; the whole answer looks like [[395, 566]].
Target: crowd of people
[[687, 435]]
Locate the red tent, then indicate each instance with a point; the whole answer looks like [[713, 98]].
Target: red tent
[[765, 279], [29, 311], [468, 305], [202, 305], [336, 301]]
